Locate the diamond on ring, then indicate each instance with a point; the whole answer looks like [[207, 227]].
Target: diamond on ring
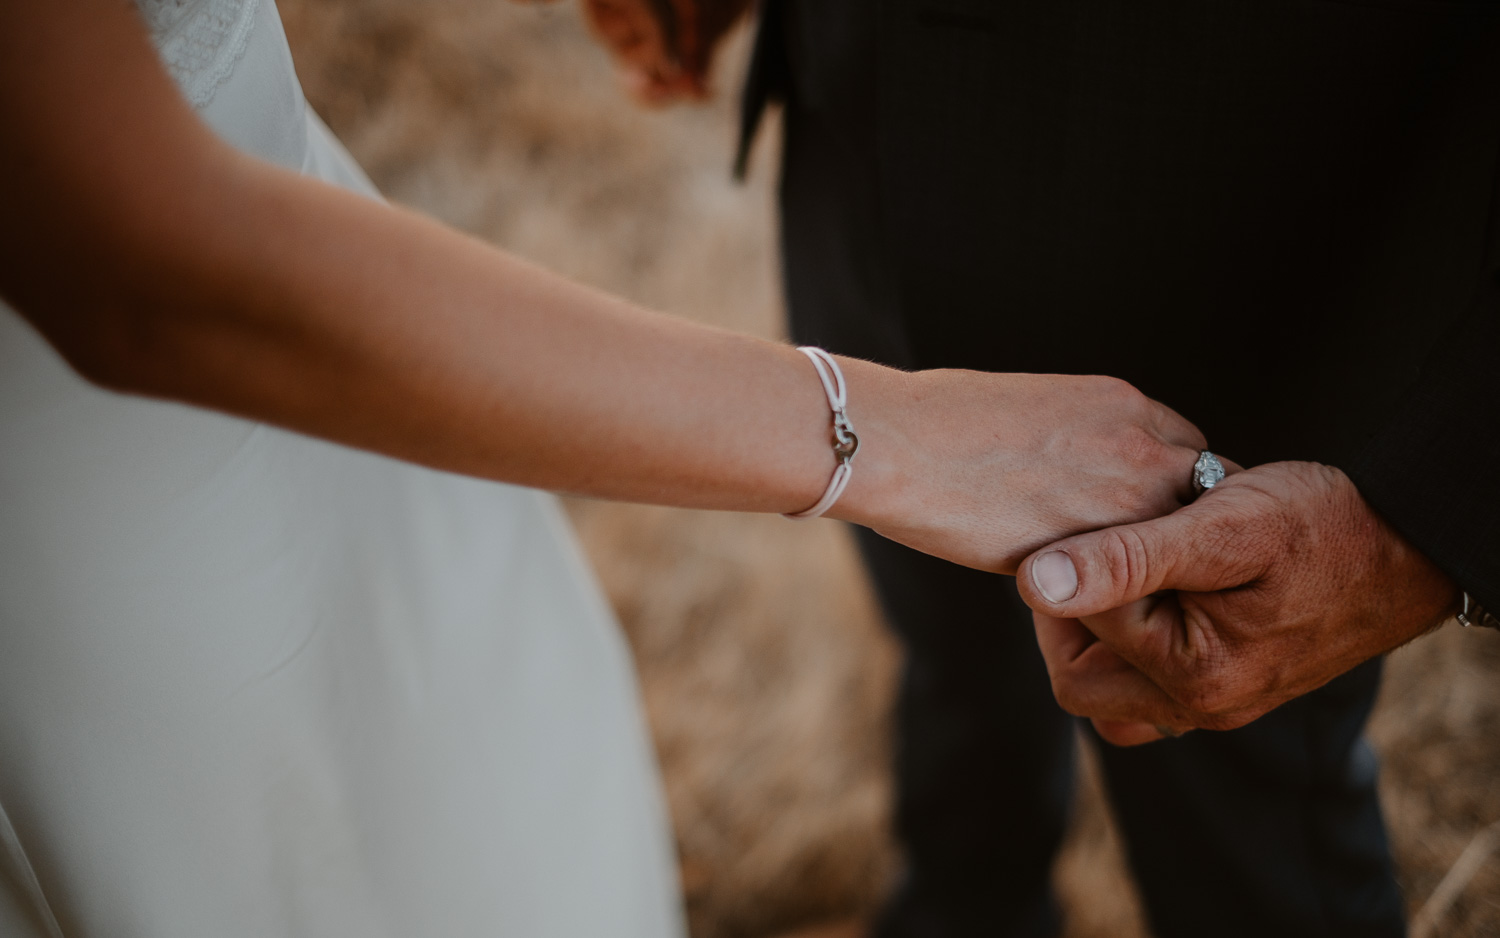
[[1207, 472]]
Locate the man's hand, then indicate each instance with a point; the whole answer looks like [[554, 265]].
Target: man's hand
[[1283, 577]]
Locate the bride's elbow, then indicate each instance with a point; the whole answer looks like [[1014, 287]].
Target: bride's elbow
[[119, 348], [121, 287], [131, 310]]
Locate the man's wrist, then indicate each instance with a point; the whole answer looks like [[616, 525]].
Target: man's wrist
[[1463, 607], [1423, 596], [1470, 613]]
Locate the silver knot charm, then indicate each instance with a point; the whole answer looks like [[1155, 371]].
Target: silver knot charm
[[845, 440], [1207, 472]]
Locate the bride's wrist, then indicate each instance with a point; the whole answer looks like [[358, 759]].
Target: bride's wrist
[[883, 402]]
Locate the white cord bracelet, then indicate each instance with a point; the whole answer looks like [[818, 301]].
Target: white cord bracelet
[[845, 442]]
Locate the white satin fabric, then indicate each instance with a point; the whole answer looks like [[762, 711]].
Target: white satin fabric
[[253, 684]]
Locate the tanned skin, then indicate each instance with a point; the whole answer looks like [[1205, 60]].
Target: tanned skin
[[158, 261]]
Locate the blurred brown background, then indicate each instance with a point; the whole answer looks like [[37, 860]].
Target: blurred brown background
[[766, 672]]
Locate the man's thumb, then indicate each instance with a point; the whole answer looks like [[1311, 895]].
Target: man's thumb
[[1092, 573]]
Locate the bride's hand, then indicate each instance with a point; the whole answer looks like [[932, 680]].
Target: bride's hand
[[469, 360], [982, 469]]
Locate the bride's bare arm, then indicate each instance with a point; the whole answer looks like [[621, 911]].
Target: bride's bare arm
[[159, 261]]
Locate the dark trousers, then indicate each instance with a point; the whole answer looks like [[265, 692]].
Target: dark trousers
[[1269, 830]]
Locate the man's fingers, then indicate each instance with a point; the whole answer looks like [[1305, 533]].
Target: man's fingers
[[1099, 684], [1090, 680], [1121, 733], [1196, 548], [1061, 641], [1146, 633], [1091, 573]]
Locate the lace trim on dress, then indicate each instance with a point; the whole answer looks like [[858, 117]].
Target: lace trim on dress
[[199, 40]]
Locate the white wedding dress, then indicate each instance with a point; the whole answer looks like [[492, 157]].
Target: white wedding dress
[[253, 685]]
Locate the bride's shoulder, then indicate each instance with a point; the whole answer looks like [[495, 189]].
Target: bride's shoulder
[[199, 40]]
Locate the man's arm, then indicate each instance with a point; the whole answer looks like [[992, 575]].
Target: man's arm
[[1433, 472]]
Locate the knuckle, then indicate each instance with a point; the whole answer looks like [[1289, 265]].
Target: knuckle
[[1198, 442], [1118, 397], [1111, 387], [1140, 448], [1126, 559]]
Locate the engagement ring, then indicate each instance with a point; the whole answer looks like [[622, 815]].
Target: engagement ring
[[1207, 472]]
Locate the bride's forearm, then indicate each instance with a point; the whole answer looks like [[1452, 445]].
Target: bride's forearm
[[343, 318], [346, 319], [159, 261]]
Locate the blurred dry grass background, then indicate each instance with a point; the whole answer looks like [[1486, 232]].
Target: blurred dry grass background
[[766, 672]]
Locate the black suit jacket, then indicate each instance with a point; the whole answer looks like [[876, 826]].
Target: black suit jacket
[[1279, 217]]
